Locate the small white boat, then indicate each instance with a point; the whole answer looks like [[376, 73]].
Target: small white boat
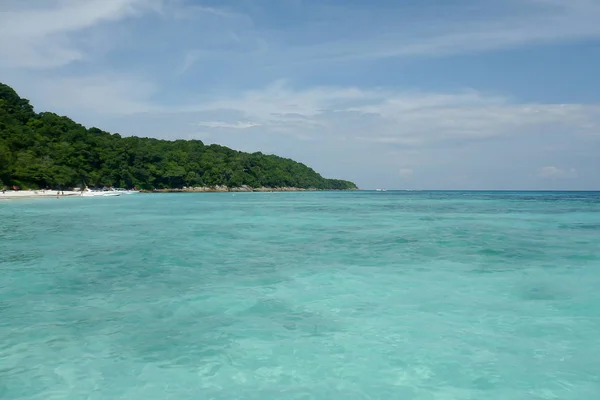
[[98, 193], [90, 193]]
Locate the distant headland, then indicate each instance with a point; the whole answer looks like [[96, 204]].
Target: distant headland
[[45, 150]]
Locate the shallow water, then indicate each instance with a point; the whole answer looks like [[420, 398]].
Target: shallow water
[[361, 295]]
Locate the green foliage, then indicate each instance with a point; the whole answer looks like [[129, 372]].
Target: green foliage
[[46, 150]]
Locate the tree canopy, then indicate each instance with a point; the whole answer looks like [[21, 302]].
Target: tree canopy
[[45, 150]]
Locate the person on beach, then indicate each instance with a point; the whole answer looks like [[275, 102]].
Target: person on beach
[[57, 194]]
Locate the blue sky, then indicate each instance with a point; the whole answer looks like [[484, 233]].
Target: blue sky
[[418, 94]]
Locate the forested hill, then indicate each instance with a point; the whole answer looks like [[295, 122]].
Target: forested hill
[[39, 150]]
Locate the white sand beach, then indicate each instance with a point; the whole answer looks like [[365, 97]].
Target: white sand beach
[[25, 194]]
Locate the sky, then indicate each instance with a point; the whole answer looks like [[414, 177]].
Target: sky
[[396, 94]]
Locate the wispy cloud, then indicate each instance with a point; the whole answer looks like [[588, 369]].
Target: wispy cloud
[[522, 23], [407, 118], [189, 59], [350, 34], [40, 34], [235, 125], [191, 11], [36, 34]]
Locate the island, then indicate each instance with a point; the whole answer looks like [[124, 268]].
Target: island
[[45, 150]]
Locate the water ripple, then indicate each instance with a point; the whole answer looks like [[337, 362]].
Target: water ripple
[[416, 295]]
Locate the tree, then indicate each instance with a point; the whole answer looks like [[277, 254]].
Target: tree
[[45, 149]]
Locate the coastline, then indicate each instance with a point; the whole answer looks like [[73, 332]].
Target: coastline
[[245, 188], [36, 194], [33, 194]]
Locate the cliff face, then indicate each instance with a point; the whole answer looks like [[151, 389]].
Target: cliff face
[[40, 150]]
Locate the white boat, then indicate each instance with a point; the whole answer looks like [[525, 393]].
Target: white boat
[[97, 193], [90, 193]]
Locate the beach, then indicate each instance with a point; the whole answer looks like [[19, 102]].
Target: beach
[[27, 194]]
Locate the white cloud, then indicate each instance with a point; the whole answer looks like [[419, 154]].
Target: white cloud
[[278, 102], [406, 118], [42, 33], [39, 34], [555, 172]]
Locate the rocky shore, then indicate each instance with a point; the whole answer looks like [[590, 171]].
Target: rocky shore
[[244, 188]]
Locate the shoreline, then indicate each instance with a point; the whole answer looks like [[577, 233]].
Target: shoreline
[[48, 194], [240, 189], [36, 194]]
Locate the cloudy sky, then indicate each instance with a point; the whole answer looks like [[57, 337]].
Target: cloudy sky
[[419, 94]]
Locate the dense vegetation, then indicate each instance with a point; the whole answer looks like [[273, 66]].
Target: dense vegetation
[[39, 150]]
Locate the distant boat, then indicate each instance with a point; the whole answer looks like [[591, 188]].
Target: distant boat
[[381, 190]]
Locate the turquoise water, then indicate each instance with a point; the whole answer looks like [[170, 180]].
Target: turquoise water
[[258, 296]]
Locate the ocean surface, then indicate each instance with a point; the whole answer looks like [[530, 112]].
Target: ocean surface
[[341, 296]]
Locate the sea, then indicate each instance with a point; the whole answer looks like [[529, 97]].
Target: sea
[[325, 296]]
